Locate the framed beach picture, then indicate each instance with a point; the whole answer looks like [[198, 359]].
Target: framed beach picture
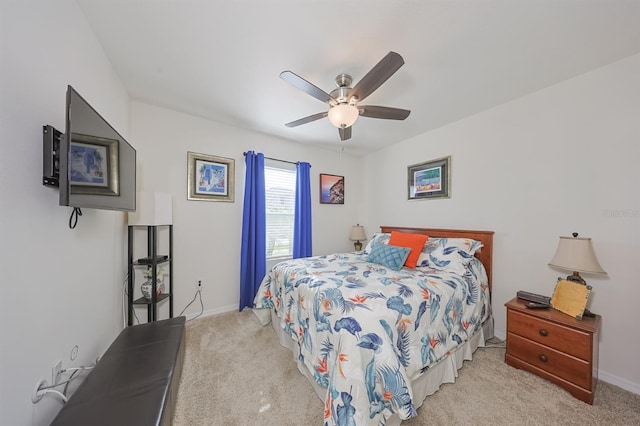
[[431, 179], [93, 165], [331, 189], [210, 178]]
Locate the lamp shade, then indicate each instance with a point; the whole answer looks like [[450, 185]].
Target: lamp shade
[[576, 254], [152, 208], [357, 233], [343, 115]]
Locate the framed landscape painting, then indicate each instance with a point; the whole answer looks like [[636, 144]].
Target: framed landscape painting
[[429, 180], [331, 189], [210, 178]]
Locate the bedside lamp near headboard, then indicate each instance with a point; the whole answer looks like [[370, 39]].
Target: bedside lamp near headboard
[[357, 235]]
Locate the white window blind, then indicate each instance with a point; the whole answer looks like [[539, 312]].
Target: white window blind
[[280, 194]]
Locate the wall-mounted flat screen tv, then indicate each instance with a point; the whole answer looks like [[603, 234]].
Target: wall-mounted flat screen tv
[[97, 165]]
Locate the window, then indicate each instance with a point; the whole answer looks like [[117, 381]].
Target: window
[[280, 195]]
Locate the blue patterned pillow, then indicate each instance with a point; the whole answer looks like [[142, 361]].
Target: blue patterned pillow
[[390, 256], [448, 254]]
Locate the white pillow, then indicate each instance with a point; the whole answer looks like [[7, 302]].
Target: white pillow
[[377, 237]]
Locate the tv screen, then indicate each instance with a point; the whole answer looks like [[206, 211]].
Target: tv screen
[[97, 165]]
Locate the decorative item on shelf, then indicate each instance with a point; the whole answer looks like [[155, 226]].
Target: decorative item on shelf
[[147, 286], [577, 255], [147, 289], [357, 234]]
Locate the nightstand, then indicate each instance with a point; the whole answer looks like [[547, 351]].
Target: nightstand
[[554, 346]]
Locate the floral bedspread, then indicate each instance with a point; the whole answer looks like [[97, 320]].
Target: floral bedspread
[[365, 331]]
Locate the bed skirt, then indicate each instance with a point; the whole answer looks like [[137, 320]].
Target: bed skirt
[[444, 371]]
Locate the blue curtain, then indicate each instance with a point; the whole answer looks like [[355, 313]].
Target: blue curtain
[[253, 258], [302, 218]]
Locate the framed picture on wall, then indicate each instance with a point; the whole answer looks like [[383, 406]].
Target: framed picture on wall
[[93, 165], [431, 179], [210, 178], [331, 189]]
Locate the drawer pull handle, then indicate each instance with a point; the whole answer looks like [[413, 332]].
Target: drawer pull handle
[[542, 358], [543, 332]]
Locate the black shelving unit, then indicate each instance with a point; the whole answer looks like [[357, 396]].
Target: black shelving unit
[[152, 253]]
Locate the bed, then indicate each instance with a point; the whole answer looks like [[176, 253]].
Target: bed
[[376, 337]]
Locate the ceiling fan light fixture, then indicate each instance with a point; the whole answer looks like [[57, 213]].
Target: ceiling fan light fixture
[[343, 115]]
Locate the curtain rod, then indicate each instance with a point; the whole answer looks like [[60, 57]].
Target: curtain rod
[[275, 159]]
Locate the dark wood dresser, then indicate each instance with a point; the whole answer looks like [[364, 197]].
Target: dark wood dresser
[[554, 346]]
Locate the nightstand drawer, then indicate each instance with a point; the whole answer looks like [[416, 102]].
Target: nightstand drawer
[[563, 339], [559, 364]]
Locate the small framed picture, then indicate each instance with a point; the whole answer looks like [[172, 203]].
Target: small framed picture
[[210, 178], [431, 179], [331, 189], [93, 165]]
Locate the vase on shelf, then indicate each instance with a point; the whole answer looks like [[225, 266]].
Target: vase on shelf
[[147, 289]]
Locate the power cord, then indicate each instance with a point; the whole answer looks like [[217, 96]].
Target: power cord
[[42, 388], [125, 301], [64, 391], [198, 294], [39, 392], [73, 219], [494, 343], [74, 371]]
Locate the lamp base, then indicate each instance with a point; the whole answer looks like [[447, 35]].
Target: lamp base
[[576, 278], [357, 246]]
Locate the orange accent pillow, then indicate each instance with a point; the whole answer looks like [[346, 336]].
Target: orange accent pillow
[[413, 241]]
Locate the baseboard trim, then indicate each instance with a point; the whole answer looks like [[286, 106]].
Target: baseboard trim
[[210, 312], [619, 382]]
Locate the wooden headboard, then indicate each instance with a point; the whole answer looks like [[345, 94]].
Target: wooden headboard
[[485, 237]]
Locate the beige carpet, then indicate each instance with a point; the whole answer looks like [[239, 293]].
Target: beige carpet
[[236, 373]]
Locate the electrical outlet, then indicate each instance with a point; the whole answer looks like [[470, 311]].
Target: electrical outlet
[[56, 370], [199, 284]]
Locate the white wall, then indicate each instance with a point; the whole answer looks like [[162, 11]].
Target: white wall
[[207, 234], [60, 287], [561, 160]]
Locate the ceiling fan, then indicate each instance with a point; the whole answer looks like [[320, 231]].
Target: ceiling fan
[[343, 101]]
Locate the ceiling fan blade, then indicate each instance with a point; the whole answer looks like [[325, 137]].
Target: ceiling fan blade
[[345, 133], [377, 75], [302, 84], [308, 119], [373, 111]]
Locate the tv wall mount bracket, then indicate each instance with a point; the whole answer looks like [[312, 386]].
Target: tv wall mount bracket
[[50, 159]]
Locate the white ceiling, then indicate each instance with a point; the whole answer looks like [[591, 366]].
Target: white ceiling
[[222, 60]]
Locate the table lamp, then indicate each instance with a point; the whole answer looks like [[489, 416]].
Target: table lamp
[[576, 254], [357, 234]]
